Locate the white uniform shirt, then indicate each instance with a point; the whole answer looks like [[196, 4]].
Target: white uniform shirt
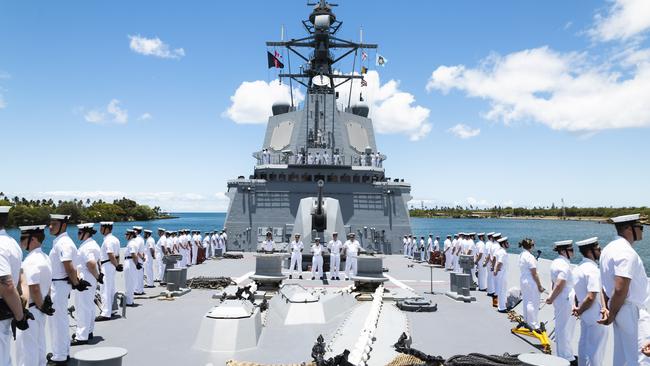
[[422, 243], [447, 245], [268, 245], [10, 257], [160, 245], [296, 247], [335, 247], [352, 248], [436, 245], [63, 250], [140, 241], [502, 257], [618, 258], [88, 251], [150, 244], [131, 249], [561, 270], [111, 244], [471, 246], [479, 249], [587, 279], [206, 242], [317, 250], [526, 262], [454, 245], [493, 248], [38, 271]]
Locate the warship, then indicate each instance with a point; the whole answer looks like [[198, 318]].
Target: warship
[[319, 170], [240, 307]]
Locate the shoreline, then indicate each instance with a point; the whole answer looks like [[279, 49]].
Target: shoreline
[[548, 218]]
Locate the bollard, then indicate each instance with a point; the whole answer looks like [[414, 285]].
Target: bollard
[[100, 356]]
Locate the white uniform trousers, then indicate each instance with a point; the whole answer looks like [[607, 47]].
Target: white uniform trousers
[[564, 327], [84, 305], [490, 281], [148, 271], [456, 264], [59, 323], [482, 276], [530, 302], [139, 279], [296, 263], [422, 255], [5, 342], [160, 267], [130, 273], [448, 259], [629, 326], [591, 347], [406, 250], [350, 264], [335, 264], [30, 343], [502, 290], [195, 254], [107, 290], [317, 266]]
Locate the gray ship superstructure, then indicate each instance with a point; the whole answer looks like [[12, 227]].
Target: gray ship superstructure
[[342, 187]]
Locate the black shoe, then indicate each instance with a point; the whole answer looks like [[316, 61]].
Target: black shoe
[[300, 277], [139, 293], [54, 363], [102, 318], [132, 305], [338, 279], [76, 342], [313, 278], [332, 278], [149, 287], [90, 336], [505, 311], [290, 276]]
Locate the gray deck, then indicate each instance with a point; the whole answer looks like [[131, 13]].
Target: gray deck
[[163, 332]]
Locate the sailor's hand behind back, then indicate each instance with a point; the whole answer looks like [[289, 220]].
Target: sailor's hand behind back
[[646, 349]]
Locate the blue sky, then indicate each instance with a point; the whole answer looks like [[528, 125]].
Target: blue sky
[[550, 97]]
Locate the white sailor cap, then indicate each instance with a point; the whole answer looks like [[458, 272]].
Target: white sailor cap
[[129, 231], [472, 233], [587, 241], [491, 233], [161, 229], [562, 243], [501, 240], [480, 234], [296, 234], [60, 217], [4, 209], [335, 233], [31, 229], [86, 226], [139, 228], [625, 218], [449, 235], [148, 231], [430, 234], [496, 235], [353, 234], [317, 239], [106, 223]]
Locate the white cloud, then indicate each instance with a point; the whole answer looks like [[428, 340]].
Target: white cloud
[[565, 91], [477, 202], [464, 132], [252, 101], [623, 20], [392, 110], [112, 113], [154, 47], [145, 116], [168, 201]]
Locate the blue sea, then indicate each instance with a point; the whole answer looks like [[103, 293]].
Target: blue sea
[[544, 232]]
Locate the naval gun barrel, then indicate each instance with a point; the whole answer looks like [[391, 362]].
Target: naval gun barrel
[[318, 218]]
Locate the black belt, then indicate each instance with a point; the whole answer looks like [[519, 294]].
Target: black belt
[[60, 279], [106, 261], [32, 305], [129, 257]]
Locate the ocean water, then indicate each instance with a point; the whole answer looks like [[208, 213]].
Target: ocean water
[[544, 232]]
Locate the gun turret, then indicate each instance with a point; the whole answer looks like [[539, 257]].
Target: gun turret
[[318, 218]]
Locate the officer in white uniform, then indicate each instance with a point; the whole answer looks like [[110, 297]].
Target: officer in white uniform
[[335, 247], [37, 276], [626, 291], [10, 257], [139, 275], [317, 260], [478, 262], [149, 255], [351, 250], [531, 286], [87, 266], [160, 252], [267, 244], [405, 243], [206, 245], [447, 247], [501, 274], [562, 297], [63, 258], [196, 241], [423, 250], [430, 247], [593, 336], [131, 266], [487, 262], [296, 247], [457, 243], [109, 264], [492, 265]]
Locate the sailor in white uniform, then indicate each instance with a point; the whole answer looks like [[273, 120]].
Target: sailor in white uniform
[[268, 243], [335, 247], [457, 243], [625, 287], [63, 259], [37, 275], [131, 267], [531, 286], [109, 264], [139, 275], [589, 302], [196, 242], [487, 263], [159, 265], [501, 274], [562, 297], [149, 255], [478, 262], [206, 245], [422, 249], [296, 247], [492, 265], [10, 257], [310, 158], [88, 268], [405, 244], [317, 260], [351, 250], [446, 247]]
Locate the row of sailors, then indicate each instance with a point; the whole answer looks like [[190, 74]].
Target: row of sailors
[[335, 247], [38, 287], [372, 159], [412, 248], [608, 287]]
